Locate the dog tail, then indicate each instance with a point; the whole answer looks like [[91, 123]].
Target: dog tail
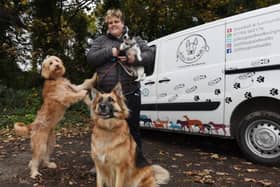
[[22, 129], [162, 176]]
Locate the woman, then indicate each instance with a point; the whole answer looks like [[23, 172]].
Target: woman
[[104, 56]]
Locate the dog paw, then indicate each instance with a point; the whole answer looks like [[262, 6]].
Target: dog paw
[[51, 165], [35, 174], [84, 93]]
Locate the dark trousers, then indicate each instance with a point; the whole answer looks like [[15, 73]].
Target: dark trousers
[[133, 102]]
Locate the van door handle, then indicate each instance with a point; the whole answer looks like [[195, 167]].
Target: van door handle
[[151, 82], [164, 80]]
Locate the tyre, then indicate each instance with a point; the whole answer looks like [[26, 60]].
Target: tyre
[[259, 137]]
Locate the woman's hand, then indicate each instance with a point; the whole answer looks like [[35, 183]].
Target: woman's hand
[[115, 52], [129, 59], [122, 58]]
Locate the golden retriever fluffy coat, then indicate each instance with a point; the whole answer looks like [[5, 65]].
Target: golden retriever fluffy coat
[[58, 95], [113, 149]]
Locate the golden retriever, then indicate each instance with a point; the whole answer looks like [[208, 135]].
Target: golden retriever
[[113, 149], [58, 95]]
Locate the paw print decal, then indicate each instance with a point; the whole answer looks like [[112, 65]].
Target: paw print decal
[[248, 95], [260, 79], [196, 98], [228, 100], [217, 91], [274, 91], [236, 85]]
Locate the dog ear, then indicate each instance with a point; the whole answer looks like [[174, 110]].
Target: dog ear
[[94, 92], [118, 89], [45, 70]]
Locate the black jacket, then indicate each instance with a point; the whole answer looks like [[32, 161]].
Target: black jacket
[[101, 60]]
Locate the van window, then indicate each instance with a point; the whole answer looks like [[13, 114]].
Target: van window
[[149, 69]]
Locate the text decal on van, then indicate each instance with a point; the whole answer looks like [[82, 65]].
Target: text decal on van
[[192, 48]]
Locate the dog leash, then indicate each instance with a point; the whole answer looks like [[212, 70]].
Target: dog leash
[[126, 69]]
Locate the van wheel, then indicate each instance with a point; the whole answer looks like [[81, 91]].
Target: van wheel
[[259, 137]]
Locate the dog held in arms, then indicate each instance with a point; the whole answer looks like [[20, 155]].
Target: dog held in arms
[[58, 95], [113, 149], [130, 46]]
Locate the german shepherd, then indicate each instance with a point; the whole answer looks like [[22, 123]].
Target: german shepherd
[[113, 149]]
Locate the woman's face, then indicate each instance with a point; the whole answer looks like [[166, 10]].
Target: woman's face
[[115, 26]]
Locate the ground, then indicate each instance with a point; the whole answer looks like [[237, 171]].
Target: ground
[[192, 161]]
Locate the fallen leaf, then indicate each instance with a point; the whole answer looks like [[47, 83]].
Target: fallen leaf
[[265, 182], [236, 167], [250, 180], [214, 156], [252, 170], [203, 154], [222, 173], [179, 154], [190, 173], [161, 153], [247, 163], [174, 166]]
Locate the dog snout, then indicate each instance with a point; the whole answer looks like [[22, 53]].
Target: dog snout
[[102, 107], [126, 37]]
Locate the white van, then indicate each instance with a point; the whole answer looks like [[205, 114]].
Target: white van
[[222, 79]]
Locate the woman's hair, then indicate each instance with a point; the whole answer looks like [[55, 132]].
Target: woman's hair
[[114, 13]]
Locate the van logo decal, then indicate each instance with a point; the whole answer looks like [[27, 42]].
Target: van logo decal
[[145, 92], [192, 48]]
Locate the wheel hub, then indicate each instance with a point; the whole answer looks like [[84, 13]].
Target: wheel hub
[[263, 138]]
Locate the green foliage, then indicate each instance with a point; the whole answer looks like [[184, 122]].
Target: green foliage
[[18, 105], [22, 106]]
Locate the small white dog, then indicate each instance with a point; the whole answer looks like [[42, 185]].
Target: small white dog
[[130, 46]]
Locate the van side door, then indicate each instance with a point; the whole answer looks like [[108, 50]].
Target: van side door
[[190, 83]]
